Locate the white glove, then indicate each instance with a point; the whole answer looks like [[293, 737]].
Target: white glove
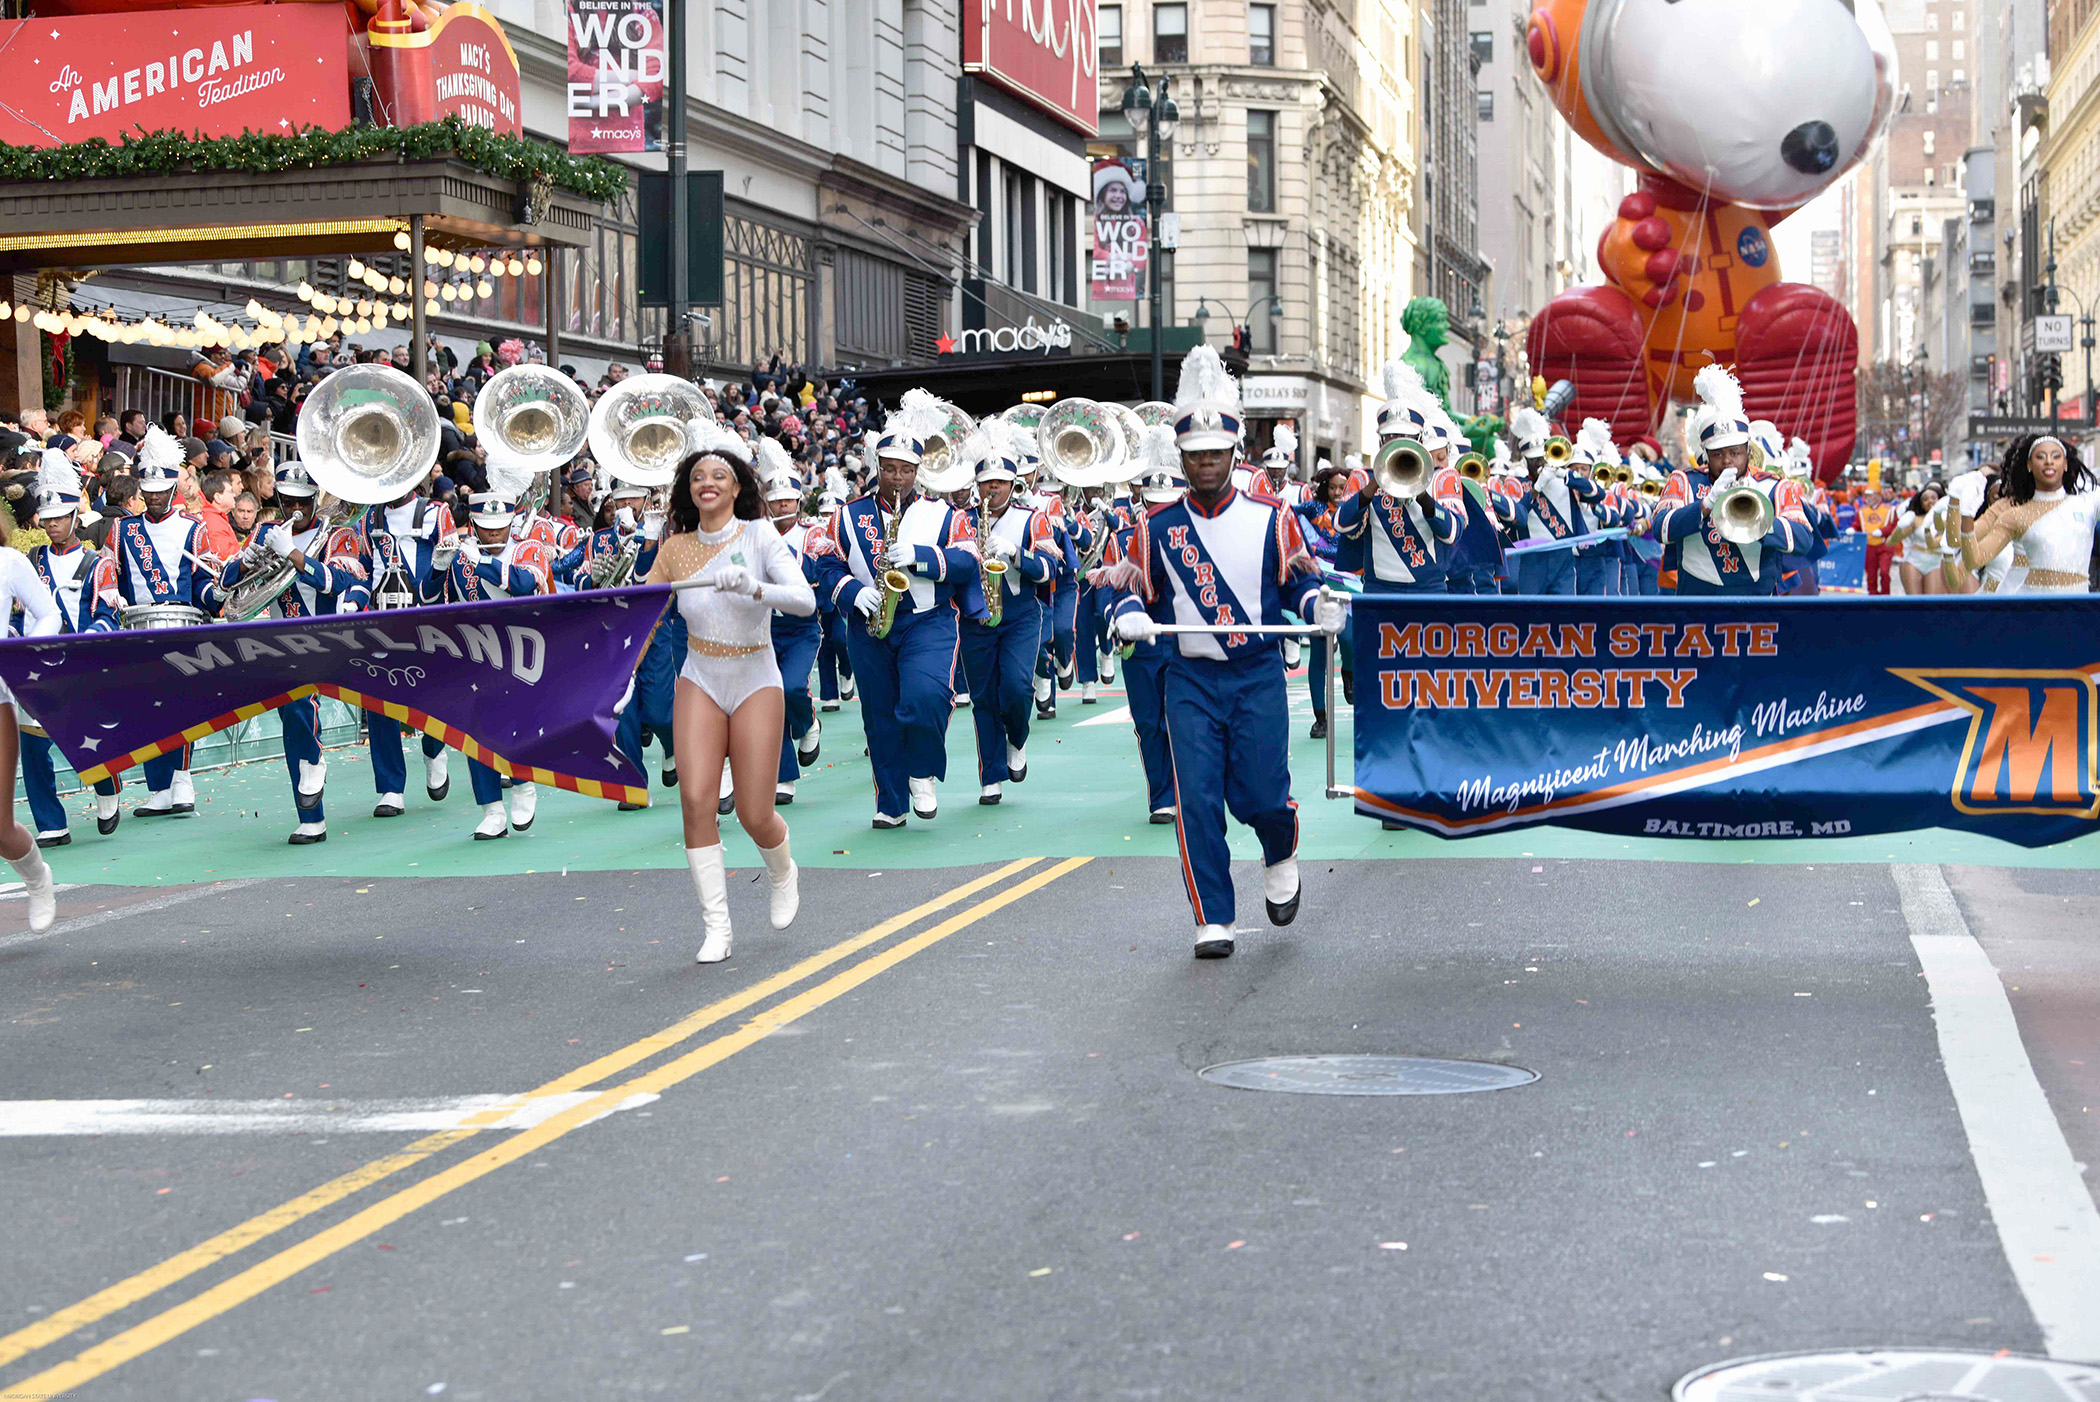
[[735, 579], [279, 543], [1136, 626], [1004, 550], [346, 606], [652, 525], [902, 557], [1328, 613], [624, 518], [867, 601], [472, 553], [1721, 483]]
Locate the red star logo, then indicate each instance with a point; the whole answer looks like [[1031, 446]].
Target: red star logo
[[945, 345]]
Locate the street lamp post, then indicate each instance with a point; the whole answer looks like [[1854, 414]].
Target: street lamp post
[[1202, 313], [1155, 122]]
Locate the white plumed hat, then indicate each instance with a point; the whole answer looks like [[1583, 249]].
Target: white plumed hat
[[1207, 411]]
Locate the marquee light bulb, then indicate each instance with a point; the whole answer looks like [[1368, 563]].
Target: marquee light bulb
[[485, 288], [396, 286], [306, 291], [401, 240], [357, 270], [448, 293], [444, 258], [515, 267], [430, 308], [532, 265]]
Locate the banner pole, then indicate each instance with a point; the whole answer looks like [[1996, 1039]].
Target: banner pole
[[1334, 662]]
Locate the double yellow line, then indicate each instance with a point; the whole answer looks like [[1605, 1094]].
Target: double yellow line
[[176, 1320]]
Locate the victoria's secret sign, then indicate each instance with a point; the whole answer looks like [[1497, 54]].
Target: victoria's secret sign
[[1042, 50], [205, 72]]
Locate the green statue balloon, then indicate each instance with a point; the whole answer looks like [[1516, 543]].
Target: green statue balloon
[[1428, 322]]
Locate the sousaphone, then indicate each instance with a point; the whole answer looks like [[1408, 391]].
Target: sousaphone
[[637, 428]]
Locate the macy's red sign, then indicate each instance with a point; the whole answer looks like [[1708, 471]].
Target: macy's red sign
[[1041, 50]]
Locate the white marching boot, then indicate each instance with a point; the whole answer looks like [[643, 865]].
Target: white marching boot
[[1016, 763], [183, 791], [810, 745], [784, 880], [494, 822], [437, 775], [313, 779], [1086, 694], [107, 815], [712, 886], [524, 802], [924, 802], [38, 886]]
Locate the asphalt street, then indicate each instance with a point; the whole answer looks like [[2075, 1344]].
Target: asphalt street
[[497, 1137]]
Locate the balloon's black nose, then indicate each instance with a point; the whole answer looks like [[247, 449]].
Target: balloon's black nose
[[1811, 148]]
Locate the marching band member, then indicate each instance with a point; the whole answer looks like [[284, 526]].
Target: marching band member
[[1797, 573], [646, 711], [493, 562], [1401, 545], [1643, 563], [315, 591], [1707, 562], [1273, 478], [730, 704], [390, 548], [796, 637], [2048, 515], [621, 522], [558, 534], [834, 663], [83, 584], [22, 587], [161, 559], [1145, 669], [1219, 557], [903, 672], [1597, 564], [999, 653], [1058, 666], [1547, 510], [1476, 560]]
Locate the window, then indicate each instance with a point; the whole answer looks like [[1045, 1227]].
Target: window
[[1959, 76], [1108, 32], [1932, 20], [1261, 285], [1010, 273], [1931, 140], [1261, 35], [1961, 19], [1170, 34], [1932, 80], [1483, 42], [1932, 51], [1917, 225], [1484, 105], [1261, 161], [1957, 50]]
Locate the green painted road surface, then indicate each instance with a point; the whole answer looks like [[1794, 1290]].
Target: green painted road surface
[[1084, 796]]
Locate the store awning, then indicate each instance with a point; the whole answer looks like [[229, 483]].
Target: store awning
[[238, 216], [982, 387]]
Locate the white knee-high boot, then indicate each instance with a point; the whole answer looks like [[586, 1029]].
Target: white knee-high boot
[[712, 886], [784, 878], [38, 887]]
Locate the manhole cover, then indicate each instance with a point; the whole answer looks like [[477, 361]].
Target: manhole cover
[[1892, 1375], [1366, 1075]]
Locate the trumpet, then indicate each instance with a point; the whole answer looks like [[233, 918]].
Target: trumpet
[[1559, 451], [1473, 467], [1742, 514], [1650, 489], [1400, 468], [894, 582]]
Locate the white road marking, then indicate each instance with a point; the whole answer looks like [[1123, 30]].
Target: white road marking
[[103, 917], [2046, 1219], [15, 890], [1119, 716], [44, 1118]]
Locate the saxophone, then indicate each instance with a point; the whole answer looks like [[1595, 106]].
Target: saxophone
[[994, 571], [612, 571], [894, 582]]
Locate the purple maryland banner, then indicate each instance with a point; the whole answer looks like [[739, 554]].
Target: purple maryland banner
[[527, 686]]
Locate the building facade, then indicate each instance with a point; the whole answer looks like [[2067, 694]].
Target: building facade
[[2069, 159], [1449, 264], [847, 222], [1915, 175], [1292, 177]]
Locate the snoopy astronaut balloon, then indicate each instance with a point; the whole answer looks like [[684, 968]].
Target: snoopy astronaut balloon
[[1735, 114]]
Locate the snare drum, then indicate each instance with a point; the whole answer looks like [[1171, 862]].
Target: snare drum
[[161, 616]]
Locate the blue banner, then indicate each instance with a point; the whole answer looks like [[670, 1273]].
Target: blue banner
[[1843, 567], [1719, 718]]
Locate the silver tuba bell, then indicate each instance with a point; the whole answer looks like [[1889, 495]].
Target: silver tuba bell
[[368, 434], [1082, 442], [637, 428], [1401, 468], [1742, 514], [942, 468], [534, 416]]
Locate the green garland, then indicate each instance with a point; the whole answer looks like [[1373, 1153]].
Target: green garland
[[164, 153]]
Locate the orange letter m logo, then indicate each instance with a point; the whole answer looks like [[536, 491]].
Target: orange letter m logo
[[2031, 745]]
